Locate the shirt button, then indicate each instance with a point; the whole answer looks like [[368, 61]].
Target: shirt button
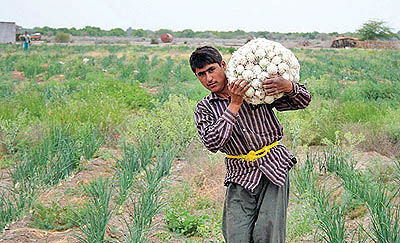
[[244, 130]]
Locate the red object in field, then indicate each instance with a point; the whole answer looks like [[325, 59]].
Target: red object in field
[[166, 38]]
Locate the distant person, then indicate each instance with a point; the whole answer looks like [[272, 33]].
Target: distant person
[[27, 40], [257, 191]]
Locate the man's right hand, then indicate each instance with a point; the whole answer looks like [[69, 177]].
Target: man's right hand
[[237, 90]]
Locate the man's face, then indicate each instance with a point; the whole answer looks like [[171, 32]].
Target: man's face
[[212, 77]]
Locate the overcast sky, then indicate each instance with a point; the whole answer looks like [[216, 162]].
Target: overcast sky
[[259, 15]]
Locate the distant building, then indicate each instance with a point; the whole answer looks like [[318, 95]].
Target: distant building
[[7, 32]]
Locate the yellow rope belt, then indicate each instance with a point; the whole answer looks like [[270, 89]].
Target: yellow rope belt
[[254, 155]]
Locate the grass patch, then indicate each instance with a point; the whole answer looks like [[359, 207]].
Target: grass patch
[[53, 217]]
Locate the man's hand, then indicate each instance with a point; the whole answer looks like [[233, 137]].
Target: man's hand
[[276, 85], [237, 89]]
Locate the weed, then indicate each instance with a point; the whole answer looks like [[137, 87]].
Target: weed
[[53, 217], [184, 223]]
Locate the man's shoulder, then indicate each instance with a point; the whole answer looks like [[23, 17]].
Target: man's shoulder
[[203, 102], [206, 99], [207, 103]]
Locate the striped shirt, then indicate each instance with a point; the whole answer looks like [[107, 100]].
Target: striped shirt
[[251, 129]]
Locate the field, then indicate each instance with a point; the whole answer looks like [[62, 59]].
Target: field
[[98, 144]]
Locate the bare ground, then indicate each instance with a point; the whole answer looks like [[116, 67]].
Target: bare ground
[[113, 40]]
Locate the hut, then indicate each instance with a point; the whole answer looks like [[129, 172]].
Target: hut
[[7, 32]]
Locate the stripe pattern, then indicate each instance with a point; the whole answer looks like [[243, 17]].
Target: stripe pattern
[[251, 129]]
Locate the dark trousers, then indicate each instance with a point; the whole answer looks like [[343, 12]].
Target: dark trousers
[[258, 216]]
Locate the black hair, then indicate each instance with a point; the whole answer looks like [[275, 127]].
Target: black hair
[[203, 56]]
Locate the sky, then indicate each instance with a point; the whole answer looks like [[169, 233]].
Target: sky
[[259, 15]]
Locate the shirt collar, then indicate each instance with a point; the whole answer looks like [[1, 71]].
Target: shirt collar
[[214, 96]]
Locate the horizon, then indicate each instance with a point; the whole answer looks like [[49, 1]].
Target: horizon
[[172, 29], [285, 16]]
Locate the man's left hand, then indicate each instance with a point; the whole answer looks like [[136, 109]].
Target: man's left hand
[[276, 85]]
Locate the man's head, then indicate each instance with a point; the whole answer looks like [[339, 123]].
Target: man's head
[[204, 55], [207, 64]]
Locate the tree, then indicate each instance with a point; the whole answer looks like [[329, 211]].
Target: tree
[[73, 31], [162, 31], [117, 32], [188, 33], [139, 33], [45, 30], [376, 29], [93, 31]]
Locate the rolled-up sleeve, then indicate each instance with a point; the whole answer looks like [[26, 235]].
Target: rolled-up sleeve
[[214, 131], [299, 98]]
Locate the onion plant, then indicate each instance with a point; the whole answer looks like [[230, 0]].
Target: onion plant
[[126, 171], [304, 177], [331, 218], [95, 218], [91, 142]]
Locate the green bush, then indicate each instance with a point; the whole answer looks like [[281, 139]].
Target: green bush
[[169, 123], [184, 223], [188, 215], [103, 114], [154, 41], [320, 120], [62, 37]]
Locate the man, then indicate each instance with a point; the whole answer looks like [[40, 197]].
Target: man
[[27, 40], [257, 191]]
